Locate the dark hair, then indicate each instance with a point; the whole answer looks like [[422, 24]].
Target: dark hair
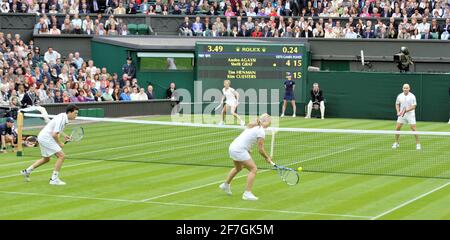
[[71, 108]]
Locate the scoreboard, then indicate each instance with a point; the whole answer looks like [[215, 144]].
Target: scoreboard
[[248, 61]]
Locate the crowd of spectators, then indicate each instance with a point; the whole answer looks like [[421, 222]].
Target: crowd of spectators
[[255, 18], [32, 76], [100, 25], [306, 27]]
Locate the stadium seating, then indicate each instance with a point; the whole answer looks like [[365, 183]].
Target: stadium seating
[[142, 29], [132, 28]]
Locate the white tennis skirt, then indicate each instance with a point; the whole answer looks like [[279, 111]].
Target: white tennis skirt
[[231, 103], [48, 146], [238, 155]]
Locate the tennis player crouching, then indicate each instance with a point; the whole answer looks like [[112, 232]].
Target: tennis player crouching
[[50, 144], [239, 151]]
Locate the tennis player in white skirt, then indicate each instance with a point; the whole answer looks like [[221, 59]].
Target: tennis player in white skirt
[[239, 151], [50, 144], [231, 98]]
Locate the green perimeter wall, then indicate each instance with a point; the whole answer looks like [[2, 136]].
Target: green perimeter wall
[[373, 95]]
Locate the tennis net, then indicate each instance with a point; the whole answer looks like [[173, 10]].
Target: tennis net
[[367, 152]]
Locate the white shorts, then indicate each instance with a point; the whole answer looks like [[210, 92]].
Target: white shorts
[[231, 103], [407, 119], [48, 147], [239, 155]]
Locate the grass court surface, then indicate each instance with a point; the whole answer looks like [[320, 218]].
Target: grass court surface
[[133, 171]]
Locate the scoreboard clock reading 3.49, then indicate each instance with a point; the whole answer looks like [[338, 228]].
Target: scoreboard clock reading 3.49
[[250, 61]]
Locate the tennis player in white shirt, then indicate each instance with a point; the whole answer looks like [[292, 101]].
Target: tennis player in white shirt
[[239, 151], [231, 98], [405, 105], [50, 144]]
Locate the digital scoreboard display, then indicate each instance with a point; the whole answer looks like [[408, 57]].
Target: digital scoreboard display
[[250, 61]]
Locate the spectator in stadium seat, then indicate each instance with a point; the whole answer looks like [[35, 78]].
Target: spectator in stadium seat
[[142, 96], [125, 95], [244, 32], [149, 92], [58, 98], [66, 27], [54, 30], [51, 55], [185, 27], [426, 35], [404, 34], [197, 27], [120, 9], [84, 9], [318, 99], [212, 11], [170, 91], [144, 7], [116, 94], [88, 25], [131, 9], [134, 96]]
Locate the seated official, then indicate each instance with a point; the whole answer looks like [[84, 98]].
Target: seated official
[[316, 98]]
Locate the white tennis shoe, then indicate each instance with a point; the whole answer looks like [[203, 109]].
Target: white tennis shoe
[[418, 147], [395, 145], [226, 188], [57, 182], [249, 196], [26, 175]]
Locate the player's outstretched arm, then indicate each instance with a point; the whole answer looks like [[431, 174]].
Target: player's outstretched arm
[[263, 152]]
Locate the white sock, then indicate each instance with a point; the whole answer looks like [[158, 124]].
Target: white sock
[[29, 169], [55, 175]]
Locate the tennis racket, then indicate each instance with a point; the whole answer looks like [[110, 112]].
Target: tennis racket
[[76, 135], [402, 112], [288, 175]]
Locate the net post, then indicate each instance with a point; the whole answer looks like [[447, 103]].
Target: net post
[[19, 147]]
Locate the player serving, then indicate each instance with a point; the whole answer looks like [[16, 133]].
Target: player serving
[[405, 106], [231, 98], [50, 144], [239, 151]]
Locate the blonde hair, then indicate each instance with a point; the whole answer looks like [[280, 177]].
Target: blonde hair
[[228, 81], [261, 119]]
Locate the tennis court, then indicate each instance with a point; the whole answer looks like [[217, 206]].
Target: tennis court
[[146, 171]]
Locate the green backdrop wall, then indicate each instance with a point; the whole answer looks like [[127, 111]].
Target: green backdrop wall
[[372, 95]]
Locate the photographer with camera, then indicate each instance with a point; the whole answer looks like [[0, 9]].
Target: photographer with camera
[[317, 101]]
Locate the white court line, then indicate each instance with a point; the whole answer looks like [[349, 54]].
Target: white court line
[[217, 182], [119, 157], [46, 169], [188, 205], [410, 201], [143, 144], [108, 149], [14, 163]]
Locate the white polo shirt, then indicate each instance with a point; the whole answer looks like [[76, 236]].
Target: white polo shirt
[[57, 124], [406, 101], [246, 140]]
